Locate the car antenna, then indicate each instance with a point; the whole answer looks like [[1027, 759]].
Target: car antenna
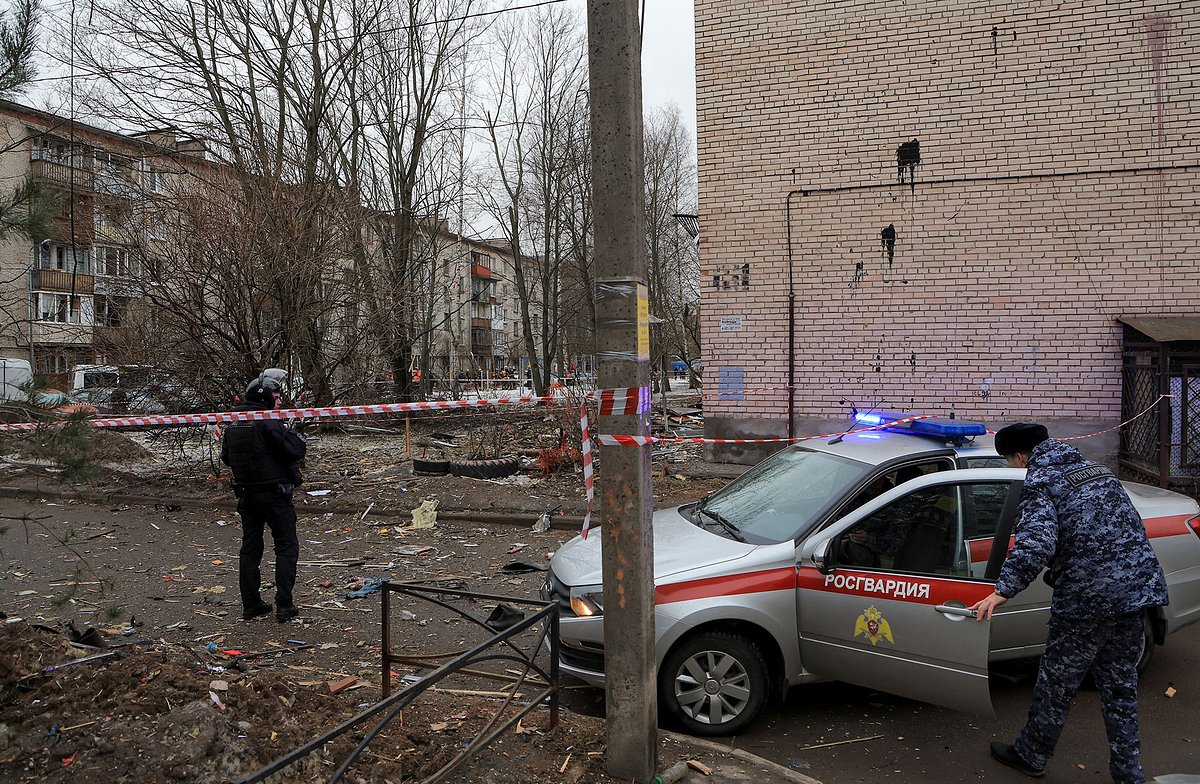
[[853, 423]]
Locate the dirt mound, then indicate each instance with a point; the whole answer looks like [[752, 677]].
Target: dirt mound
[[155, 715]]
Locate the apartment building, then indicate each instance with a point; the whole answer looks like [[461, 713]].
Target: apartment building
[[952, 207], [476, 325], [73, 296], [64, 297]]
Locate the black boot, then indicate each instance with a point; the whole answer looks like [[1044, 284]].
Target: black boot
[[250, 613], [1004, 753]]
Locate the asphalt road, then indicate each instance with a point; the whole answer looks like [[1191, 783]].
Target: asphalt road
[[925, 743]]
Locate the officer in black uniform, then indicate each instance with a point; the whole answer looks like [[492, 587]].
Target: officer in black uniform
[[263, 457], [1079, 524]]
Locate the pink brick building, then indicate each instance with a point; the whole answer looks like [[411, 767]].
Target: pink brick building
[[963, 198]]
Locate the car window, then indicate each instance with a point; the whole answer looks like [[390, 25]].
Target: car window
[[893, 478], [985, 462], [942, 530], [785, 493]]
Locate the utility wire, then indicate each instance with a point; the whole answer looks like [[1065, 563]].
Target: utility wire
[[158, 66]]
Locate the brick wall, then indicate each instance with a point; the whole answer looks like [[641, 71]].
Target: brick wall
[[1057, 188]]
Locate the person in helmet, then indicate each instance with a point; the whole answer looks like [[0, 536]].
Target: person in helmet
[[264, 458]]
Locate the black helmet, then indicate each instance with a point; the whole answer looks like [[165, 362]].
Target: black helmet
[[262, 391]]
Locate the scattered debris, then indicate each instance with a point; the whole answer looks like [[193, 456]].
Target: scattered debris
[[425, 515], [504, 616], [522, 567], [414, 549], [840, 743], [339, 686]]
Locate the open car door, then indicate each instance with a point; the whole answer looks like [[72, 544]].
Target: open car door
[[882, 593]]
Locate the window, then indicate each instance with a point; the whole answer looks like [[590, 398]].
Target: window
[[55, 151], [158, 230], [155, 182], [52, 364], [111, 311], [113, 262], [947, 529], [57, 308], [110, 163]]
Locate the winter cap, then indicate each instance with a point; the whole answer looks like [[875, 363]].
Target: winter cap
[[1020, 437]]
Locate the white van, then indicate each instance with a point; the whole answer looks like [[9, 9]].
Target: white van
[[14, 373]]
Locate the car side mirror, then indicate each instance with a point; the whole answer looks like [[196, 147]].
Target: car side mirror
[[822, 558]]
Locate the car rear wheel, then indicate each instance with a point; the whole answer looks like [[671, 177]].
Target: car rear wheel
[[715, 683], [1147, 651]]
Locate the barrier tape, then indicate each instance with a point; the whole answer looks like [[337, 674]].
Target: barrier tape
[[605, 439], [327, 412], [589, 481], [1148, 409], [623, 401]]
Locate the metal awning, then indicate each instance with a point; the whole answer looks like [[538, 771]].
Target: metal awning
[[1165, 329]]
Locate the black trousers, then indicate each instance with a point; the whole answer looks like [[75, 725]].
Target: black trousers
[[267, 508]]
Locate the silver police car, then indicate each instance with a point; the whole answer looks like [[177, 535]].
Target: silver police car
[[851, 559]]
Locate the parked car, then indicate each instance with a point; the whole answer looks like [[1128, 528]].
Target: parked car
[[61, 403], [764, 584], [117, 401]]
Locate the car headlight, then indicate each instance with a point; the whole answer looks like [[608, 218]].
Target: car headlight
[[587, 601]]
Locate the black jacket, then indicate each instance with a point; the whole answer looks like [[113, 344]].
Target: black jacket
[[262, 453]]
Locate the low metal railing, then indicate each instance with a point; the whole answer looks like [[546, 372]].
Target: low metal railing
[[391, 705]]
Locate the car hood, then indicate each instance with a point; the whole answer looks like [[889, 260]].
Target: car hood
[[679, 546]]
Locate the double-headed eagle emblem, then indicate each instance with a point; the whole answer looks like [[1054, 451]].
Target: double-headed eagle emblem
[[873, 625]]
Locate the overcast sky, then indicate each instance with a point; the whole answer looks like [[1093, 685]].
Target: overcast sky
[[668, 56]]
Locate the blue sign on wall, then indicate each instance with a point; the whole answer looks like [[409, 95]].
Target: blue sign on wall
[[731, 383]]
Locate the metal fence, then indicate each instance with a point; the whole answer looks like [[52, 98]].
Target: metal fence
[[500, 647]]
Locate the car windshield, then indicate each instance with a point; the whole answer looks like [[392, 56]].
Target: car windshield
[[783, 494]]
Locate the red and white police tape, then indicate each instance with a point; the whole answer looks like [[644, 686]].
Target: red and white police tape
[[623, 401], [326, 412], [605, 439]]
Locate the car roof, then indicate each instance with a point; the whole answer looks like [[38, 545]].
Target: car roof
[[877, 447]]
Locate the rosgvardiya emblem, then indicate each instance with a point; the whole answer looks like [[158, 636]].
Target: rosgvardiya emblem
[[873, 625]]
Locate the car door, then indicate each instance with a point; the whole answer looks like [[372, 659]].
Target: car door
[[882, 594]]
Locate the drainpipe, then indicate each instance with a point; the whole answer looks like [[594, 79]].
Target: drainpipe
[[791, 388]]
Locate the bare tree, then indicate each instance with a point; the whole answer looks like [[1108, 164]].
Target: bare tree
[[537, 84], [400, 130], [672, 264], [30, 208], [259, 80]]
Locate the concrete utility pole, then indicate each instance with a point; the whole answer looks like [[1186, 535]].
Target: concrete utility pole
[[623, 354]]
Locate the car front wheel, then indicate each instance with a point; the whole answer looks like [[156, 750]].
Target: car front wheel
[[715, 683]]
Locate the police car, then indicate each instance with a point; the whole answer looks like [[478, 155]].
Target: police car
[[850, 559]]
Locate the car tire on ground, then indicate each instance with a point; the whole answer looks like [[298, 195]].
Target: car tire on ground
[[485, 469], [423, 467], [714, 683]]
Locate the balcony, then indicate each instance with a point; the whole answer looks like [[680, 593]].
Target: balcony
[[481, 323], [480, 271], [61, 280], [62, 334], [116, 183], [62, 174]]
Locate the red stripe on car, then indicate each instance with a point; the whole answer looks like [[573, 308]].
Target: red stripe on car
[[783, 579]]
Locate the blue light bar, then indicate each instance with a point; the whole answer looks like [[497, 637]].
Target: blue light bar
[[937, 427], [944, 427], [872, 418]]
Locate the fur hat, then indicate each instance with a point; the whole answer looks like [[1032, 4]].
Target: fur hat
[[1020, 437]]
